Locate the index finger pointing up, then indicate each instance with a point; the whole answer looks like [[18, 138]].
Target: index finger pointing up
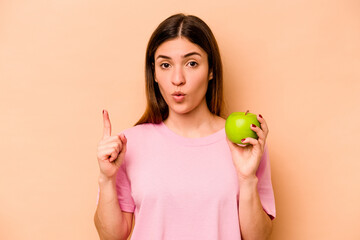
[[107, 124]]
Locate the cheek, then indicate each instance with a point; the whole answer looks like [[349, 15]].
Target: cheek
[[200, 82], [163, 87], [160, 79]]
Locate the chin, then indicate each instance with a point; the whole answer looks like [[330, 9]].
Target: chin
[[181, 109], [186, 107]]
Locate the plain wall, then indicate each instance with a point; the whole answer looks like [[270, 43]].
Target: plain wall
[[63, 61]]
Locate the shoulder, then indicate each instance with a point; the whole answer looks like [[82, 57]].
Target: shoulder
[[140, 129], [141, 139], [138, 135]]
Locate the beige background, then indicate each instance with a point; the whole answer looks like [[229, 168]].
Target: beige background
[[63, 61]]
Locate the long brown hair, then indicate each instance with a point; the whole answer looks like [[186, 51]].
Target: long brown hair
[[197, 32]]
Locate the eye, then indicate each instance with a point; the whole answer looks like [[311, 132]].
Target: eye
[[193, 64], [165, 65]]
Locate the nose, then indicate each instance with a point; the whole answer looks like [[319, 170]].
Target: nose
[[178, 78]]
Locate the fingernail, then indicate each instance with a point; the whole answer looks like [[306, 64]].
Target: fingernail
[[253, 125], [243, 140], [260, 116]]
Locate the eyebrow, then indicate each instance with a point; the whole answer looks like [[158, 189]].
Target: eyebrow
[[185, 56]]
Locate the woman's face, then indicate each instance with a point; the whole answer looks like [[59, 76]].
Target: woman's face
[[182, 73]]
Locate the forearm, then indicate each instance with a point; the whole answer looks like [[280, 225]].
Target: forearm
[[109, 220], [254, 222]]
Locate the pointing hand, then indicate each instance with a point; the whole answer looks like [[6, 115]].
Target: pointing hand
[[111, 150]]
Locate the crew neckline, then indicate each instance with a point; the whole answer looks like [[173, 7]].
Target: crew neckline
[[200, 141]]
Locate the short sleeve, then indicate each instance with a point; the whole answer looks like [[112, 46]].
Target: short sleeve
[[265, 188], [123, 190]]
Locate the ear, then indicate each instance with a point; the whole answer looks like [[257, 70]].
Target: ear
[[153, 67], [155, 78], [210, 75]]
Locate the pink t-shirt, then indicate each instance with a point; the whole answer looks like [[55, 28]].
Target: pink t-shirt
[[184, 188]]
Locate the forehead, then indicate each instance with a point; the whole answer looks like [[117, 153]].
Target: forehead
[[178, 46]]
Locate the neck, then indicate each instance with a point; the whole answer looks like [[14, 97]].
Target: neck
[[197, 123]]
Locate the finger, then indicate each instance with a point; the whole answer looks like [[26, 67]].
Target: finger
[[123, 138], [259, 132], [120, 141], [123, 149], [251, 141], [107, 153], [234, 146], [114, 155], [107, 124], [263, 124], [112, 139], [116, 146]]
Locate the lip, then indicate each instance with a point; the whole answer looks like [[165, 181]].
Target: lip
[[178, 96]]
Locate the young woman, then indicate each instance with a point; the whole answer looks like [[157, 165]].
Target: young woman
[[175, 170]]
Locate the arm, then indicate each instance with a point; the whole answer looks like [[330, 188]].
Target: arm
[[254, 221], [110, 221]]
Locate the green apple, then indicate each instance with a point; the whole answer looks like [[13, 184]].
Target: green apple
[[237, 126]]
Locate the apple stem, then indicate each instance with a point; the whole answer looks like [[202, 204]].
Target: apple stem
[[247, 112]]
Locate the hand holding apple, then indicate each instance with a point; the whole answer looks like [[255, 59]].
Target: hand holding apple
[[247, 157], [237, 126]]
